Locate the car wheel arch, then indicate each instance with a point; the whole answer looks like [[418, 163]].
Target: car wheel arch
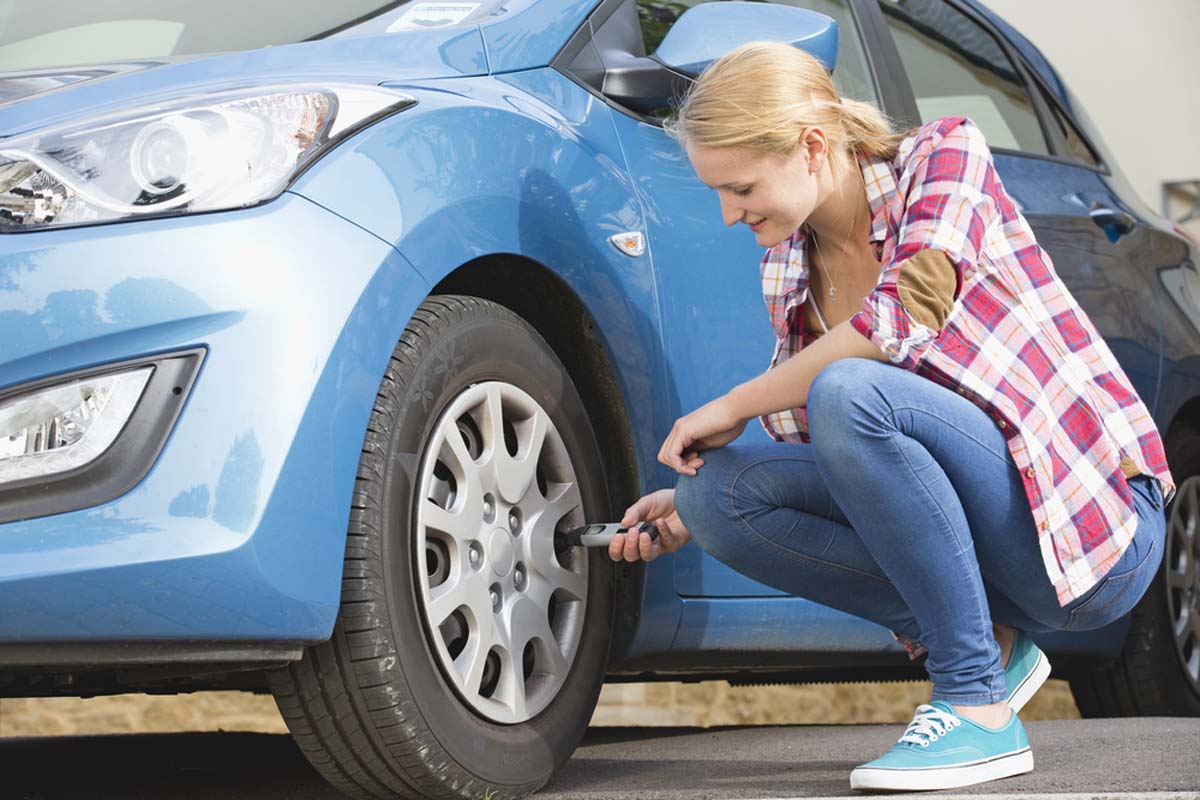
[[546, 301]]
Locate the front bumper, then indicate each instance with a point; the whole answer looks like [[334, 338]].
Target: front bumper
[[237, 531]]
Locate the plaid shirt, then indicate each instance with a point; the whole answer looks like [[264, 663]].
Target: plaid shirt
[[1015, 343]]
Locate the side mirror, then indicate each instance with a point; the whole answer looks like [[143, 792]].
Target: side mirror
[[700, 36], [704, 33]]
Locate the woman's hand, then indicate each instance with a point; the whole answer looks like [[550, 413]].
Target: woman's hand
[[658, 507], [712, 425]]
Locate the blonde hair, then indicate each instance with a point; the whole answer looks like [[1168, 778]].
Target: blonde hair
[[764, 96]]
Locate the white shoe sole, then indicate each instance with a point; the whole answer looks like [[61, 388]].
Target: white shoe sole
[[1033, 681], [907, 780]]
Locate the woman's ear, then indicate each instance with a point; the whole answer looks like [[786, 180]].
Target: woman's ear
[[816, 149]]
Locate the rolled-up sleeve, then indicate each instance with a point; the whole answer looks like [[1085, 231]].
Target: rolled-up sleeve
[[947, 212]]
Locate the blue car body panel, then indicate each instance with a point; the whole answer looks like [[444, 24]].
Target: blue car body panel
[[439, 53], [237, 532], [715, 332], [531, 32]]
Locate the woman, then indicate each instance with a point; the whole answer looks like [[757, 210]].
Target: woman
[[960, 458]]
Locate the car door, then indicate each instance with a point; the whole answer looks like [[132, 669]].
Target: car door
[[956, 64], [715, 328]]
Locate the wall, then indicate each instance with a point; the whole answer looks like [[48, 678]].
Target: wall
[[1135, 67]]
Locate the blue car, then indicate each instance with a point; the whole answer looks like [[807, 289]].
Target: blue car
[[321, 324]]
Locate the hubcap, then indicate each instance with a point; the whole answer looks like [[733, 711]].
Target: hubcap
[[501, 550], [505, 613], [1183, 577]]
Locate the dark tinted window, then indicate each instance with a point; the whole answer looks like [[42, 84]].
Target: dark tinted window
[[1077, 146], [957, 68], [851, 75]]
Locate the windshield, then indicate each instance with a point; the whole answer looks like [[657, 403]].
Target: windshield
[[36, 35]]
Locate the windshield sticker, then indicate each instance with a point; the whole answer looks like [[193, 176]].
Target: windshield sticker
[[433, 15]]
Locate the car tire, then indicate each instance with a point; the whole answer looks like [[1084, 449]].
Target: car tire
[[1156, 673], [378, 709]]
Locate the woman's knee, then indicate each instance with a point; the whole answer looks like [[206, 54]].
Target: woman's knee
[[703, 500], [843, 401], [695, 495], [839, 385]]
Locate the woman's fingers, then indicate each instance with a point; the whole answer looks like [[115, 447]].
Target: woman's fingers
[[634, 547], [649, 548], [672, 450], [664, 452], [666, 539], [616, 548], [673, 534], [672, 456], [637, 512], [650, 506], [631, 553], [658, 507]]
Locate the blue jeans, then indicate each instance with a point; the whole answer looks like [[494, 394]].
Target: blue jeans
[[907, 510]]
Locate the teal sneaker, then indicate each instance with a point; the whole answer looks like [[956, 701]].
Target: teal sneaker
[[1028, 668], [941, 750]]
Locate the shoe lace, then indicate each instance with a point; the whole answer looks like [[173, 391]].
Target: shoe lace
[[929, 724]]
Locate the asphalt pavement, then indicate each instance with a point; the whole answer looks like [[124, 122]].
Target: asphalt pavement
[[1153, 754], [1157, 758]]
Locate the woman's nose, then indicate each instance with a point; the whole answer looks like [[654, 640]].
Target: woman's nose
[[731, 213]]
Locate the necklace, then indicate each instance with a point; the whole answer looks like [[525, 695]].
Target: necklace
[[817, 247]]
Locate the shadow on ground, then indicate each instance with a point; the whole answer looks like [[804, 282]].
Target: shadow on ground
[[175, 766]]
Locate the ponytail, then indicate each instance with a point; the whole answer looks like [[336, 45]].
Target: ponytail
[[868, 130]]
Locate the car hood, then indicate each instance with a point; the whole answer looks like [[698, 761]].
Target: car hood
[[523, 34]]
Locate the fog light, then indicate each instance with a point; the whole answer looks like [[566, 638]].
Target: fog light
[[63, 427]]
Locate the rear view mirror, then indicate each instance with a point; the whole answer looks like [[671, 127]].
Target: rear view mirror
[[700, 36], [704, 33]]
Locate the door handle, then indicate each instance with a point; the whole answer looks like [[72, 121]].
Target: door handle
[[1111, 219]]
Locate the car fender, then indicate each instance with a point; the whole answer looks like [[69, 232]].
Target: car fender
[[524, 164]]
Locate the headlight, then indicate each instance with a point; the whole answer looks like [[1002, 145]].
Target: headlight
[[220, 151]]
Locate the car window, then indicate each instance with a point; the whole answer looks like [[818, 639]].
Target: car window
[[957, 68], [89, 32], [1077, 146], [851, 75]]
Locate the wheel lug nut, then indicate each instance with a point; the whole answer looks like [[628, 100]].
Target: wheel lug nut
[[489, 508], [519, 578], [495, 595], [475, 554], [514, 521]]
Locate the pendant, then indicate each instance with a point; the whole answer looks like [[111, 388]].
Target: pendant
[[832, 291]]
